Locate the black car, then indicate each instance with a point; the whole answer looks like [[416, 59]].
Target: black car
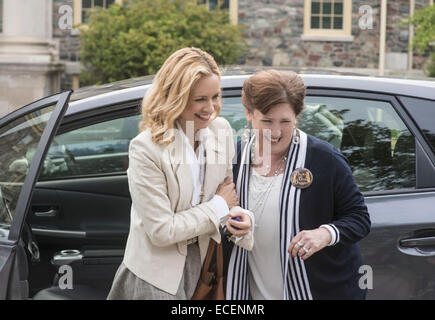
[[65, 203]]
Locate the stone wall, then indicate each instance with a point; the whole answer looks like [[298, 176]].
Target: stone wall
[[273, 30], [68, 42]]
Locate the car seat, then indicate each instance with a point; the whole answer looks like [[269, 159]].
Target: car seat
[[367, 146], [404, 161]]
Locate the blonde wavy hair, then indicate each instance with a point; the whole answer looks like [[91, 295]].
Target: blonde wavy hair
[[170, 91]]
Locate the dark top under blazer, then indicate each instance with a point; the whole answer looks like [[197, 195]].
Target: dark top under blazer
[[333, 197]]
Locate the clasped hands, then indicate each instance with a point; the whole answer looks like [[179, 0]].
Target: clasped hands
[[240, 226]]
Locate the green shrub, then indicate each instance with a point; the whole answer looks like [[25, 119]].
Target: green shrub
[[135, 39], [424, 39], [431, 65], [424, 23]]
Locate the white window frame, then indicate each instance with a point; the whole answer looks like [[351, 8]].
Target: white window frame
[[343, 34], [78, 10], [75, 81]]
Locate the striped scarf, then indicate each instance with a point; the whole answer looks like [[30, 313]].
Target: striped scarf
[[296, 285]]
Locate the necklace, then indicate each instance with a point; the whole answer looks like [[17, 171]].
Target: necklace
[[262, 189], [280, 168]]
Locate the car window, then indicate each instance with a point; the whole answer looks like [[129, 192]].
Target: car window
[[18, 142], [423, 112], [378, 145], [97, 149], [234, 112]]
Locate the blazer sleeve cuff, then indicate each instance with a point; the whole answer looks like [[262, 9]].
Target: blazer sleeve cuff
[[220, 207]]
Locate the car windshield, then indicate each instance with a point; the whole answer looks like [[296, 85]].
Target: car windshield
[[18, 142]]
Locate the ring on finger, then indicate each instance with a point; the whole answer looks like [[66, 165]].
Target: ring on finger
[[300, 244], [305, 249]]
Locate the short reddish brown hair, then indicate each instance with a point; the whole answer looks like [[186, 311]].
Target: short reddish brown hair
[[268, 88]]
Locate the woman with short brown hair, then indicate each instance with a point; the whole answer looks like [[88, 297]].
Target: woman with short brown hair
[[309, 213]]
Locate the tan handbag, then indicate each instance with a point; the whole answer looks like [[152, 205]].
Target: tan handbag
[[211, 283]]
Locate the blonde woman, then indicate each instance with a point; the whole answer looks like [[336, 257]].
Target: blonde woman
[[179, 182]]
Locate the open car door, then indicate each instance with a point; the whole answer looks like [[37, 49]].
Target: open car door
[[25, 136]]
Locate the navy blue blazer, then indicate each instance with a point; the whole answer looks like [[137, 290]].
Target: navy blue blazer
[[333, 197]]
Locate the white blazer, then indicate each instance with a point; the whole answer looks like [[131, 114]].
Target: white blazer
[[162, 219]]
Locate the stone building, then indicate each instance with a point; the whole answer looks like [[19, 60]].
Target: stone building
[[333, 34], [280, 32], [68, 37]]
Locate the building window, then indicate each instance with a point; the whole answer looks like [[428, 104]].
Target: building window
[[212, 4], [88, 5], [82, 8], [230, 5], [330, 19], [327, 15]]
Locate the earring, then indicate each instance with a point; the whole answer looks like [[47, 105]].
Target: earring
[[296, 137]]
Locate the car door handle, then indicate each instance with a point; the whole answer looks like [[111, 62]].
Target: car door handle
[[417, 242], [52, 212]]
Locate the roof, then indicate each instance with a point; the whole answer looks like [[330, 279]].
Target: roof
[[89, 91], [134, 89]]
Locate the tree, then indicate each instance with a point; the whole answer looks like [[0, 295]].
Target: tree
[[135, 39], [424, 39]]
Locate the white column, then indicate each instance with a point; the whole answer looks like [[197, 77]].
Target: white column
[[29, 66], [382, 40], [234, 11], [27, 19], [410, 34]]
